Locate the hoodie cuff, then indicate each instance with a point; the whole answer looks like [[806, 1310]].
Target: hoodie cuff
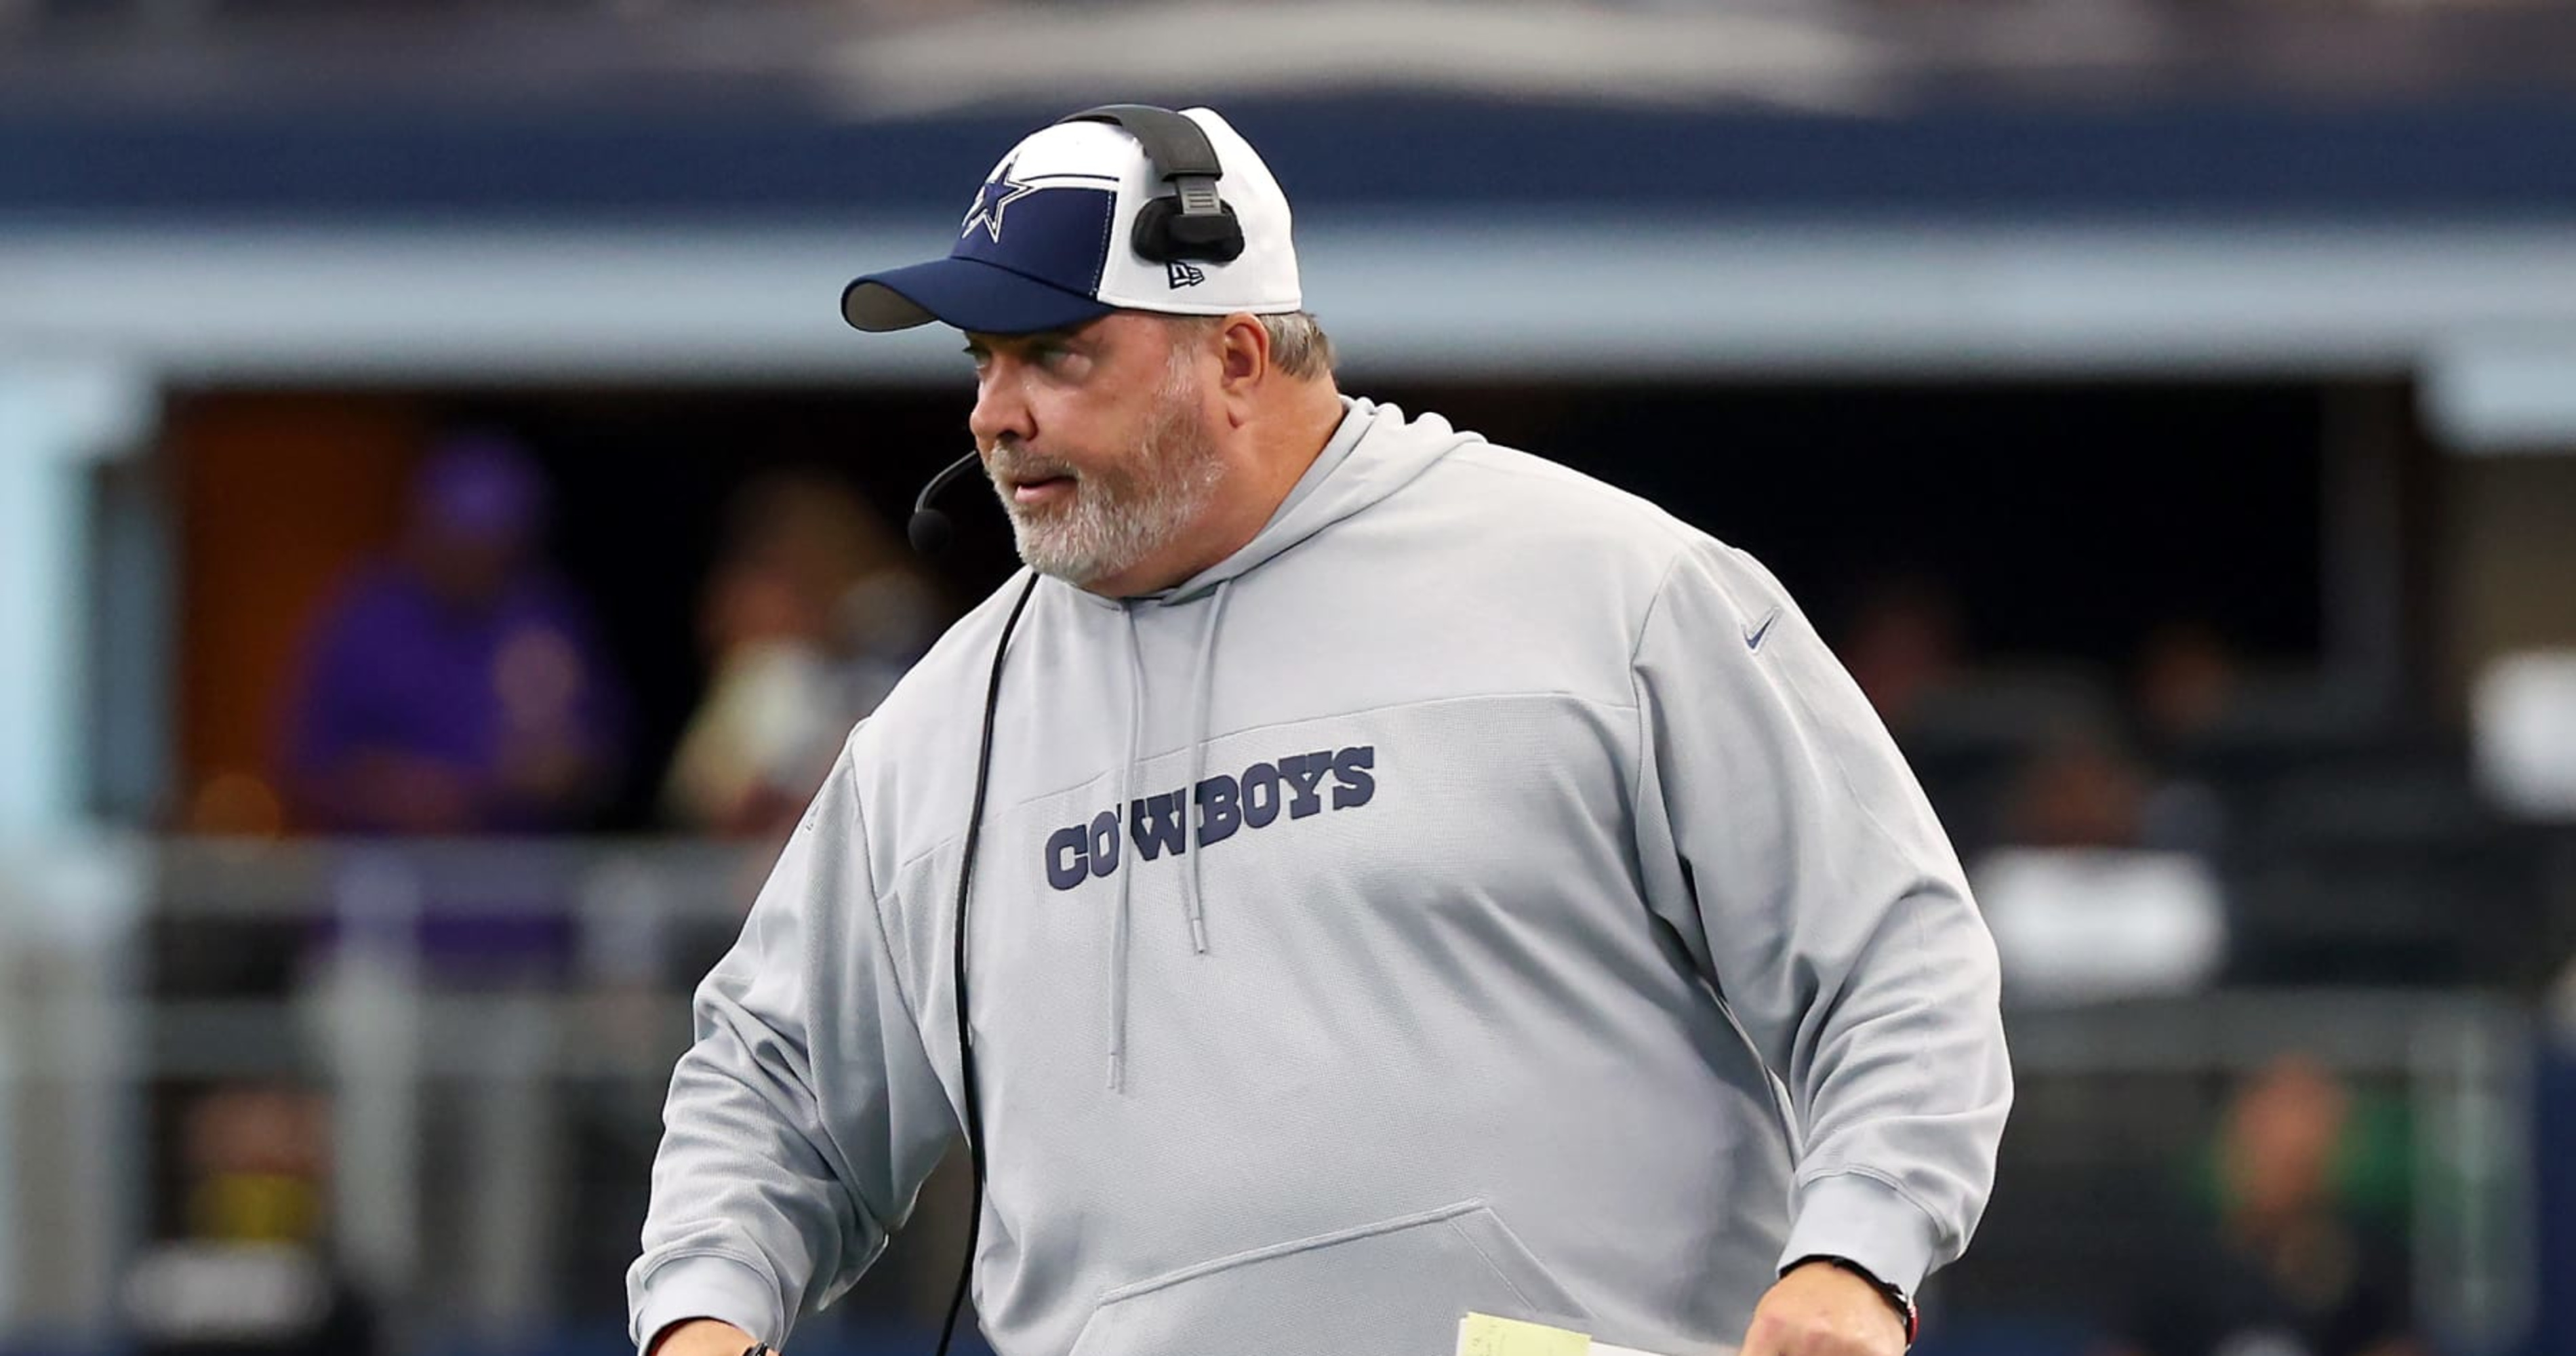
[[704, 1286], [1863, 1219]]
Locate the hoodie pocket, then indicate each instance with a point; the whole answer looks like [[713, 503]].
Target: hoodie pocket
[[1393, 1288]]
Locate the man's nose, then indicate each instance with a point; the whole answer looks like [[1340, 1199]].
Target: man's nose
[[1001, 407]]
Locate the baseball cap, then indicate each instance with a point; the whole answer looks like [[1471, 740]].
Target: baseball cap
[[1048, 242]]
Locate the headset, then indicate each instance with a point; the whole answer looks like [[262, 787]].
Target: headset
[[1193, 222]]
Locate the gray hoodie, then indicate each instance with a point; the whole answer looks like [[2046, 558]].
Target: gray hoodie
[[1516, 909]]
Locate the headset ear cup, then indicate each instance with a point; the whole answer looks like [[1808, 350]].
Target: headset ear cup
[[1149, 239], [1159, 228]]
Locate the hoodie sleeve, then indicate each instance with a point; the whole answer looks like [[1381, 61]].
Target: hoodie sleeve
[[1785, 839], [805, 1116]]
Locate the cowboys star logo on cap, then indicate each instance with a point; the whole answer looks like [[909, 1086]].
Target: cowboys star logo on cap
[[997, 194], [1048, 242]]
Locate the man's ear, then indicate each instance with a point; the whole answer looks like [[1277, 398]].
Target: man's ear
[[1243, 350]]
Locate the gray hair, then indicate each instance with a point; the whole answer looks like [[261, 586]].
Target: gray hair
[[1299, 347]]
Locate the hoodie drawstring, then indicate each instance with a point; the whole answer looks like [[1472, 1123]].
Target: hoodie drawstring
[[1192, 896], [1204, 700], [1127, 848]]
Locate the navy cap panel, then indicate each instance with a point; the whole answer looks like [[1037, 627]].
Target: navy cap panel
[[1055, 232], [968, 294]]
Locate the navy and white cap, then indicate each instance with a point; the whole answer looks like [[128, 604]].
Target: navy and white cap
[[1047, 242]]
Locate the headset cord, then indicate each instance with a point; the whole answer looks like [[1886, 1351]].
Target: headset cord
[[965, 1037]]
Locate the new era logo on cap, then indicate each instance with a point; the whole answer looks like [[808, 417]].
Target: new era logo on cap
[[1046, 242]]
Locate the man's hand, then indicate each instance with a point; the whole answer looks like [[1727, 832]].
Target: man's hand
[[1819, 1309], [702, 1337]]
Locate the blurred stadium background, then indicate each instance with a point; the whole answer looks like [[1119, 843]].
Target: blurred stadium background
[[2167, 407]]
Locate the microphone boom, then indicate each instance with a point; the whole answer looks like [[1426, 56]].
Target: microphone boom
[[930, 529]]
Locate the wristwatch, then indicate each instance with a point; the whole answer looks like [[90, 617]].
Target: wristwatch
[[1895, 1296]]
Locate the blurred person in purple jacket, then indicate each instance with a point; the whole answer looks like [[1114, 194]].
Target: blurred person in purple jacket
[[458, 686]]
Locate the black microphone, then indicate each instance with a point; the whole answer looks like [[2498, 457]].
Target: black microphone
[[929, 528]]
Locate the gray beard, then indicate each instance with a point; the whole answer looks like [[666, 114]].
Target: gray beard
[[1118, 518]]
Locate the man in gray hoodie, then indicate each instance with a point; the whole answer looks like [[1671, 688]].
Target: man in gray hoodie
[[1401, 884]]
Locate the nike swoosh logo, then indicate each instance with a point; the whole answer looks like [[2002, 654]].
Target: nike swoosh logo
[[1753, 634]]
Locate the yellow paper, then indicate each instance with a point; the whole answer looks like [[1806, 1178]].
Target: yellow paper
[[1486, 1335]]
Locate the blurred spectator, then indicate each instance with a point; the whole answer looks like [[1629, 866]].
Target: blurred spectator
[[256, 1161], [2291, 1269], [2078, 790], [811, 616], [1903, 646], [2085, 904], [2082, 788], [253, 1271], [2188, 678], [457, 687], [2087, 900], [2190, 688]]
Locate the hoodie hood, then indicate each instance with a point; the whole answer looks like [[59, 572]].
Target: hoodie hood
[[1372, 453]]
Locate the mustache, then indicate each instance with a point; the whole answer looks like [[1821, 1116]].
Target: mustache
[[1011, 460]]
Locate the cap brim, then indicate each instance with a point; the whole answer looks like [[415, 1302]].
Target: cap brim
[[967, 293]]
